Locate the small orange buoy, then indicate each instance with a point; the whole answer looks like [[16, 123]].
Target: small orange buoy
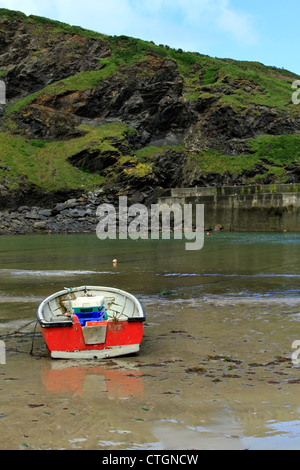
[[207, 233], [115, 262]]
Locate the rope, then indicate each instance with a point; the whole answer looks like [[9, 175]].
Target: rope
[[30, 352], [18, 334], [69, 289], [18, 331]]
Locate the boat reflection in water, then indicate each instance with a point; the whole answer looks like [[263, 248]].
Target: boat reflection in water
[[77, 380]]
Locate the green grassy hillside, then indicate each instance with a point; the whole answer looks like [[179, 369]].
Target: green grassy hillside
[[229, 117]]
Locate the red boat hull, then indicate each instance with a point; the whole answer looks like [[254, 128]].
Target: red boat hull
[[122, 337]]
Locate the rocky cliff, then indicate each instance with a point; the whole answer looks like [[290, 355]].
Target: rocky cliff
[[88, 112]]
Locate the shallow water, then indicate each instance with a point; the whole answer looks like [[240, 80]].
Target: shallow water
[[214, 370]]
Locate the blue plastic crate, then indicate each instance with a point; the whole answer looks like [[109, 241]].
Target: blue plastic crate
[[83, 317]]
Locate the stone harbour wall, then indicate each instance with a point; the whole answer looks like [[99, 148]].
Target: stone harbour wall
[[229, 208], [244, 208]]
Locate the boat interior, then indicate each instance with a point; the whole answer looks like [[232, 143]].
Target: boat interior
[[117, 304]]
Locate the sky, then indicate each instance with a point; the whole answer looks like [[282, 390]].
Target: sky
[[264, 31]]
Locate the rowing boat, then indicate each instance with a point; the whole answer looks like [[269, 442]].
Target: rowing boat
[[91, 322]]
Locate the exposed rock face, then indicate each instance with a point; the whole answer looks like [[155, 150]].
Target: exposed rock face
[[149, 94], [35, 57], [227, 127], [150, 102]]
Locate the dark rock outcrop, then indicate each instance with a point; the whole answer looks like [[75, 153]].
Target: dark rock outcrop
[[34, 57], [167, 99]]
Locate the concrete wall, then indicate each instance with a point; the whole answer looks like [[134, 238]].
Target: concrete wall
[[244, 208]]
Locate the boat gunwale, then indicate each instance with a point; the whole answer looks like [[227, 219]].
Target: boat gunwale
[[68, 322]]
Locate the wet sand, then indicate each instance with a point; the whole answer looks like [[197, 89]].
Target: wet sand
[[209, 375]]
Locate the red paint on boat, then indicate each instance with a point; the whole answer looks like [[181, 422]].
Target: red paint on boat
[[70, 338]]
